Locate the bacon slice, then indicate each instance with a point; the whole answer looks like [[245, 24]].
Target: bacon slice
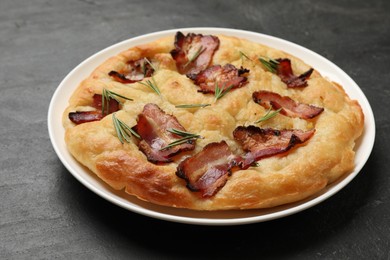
[[152, 126], [134, 71], [193, 52], [284, 71], [223, 77], [289, 106], [208, 170], [113, 105], [261, 143], [80, 117]]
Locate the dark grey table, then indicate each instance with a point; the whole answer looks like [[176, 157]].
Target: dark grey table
[[46, 213]]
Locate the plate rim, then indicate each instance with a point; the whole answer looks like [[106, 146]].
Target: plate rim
[[369, 128]]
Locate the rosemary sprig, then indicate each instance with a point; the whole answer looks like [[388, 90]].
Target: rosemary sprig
[[220, 92], [242, 56], [177, 142], [196, 55], [271, 65], [122, 130], [186, 136], [268, 115], [182, 133], [107, 95], [192, 105], [143, 67], [152, 85], [148, 62]]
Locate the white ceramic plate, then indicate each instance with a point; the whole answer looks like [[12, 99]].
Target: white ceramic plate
[[234, 217]]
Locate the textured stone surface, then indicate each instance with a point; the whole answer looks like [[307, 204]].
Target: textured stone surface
[[46, 213]]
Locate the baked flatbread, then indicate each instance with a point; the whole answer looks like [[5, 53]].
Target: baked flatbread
[[260, 144]]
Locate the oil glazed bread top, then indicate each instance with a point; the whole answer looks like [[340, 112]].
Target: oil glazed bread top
[[212, 122]]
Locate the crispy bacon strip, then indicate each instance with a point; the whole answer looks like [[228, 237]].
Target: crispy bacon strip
[[80, 117], [134, 71], [193, 52], [152, 126], [284, 71], [223, 77], [261, 143], [208, 170], [289, 106], [113, 105]]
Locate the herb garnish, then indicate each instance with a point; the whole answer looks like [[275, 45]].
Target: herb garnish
[[107, 95], [152, 85], [271, 65], [122, 130], [268, 115], [220, 92], [196, 55], [144, 67], [186, 136], [192, 105], [242, 56]]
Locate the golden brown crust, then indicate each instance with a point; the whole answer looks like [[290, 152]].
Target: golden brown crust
[[302, 172]]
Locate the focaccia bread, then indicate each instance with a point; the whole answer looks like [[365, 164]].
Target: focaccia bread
[[259, 133]]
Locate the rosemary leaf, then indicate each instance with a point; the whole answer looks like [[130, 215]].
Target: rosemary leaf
[[183, 133], [242, 56], [152, 85], [196, 55], [220, 92], [177, 142], [143, 67], [186, 136], [192, 105], [271, 65], [122, 130], [117, 127], [268, 115], [151, 65], [128, 128], [107, 95]]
